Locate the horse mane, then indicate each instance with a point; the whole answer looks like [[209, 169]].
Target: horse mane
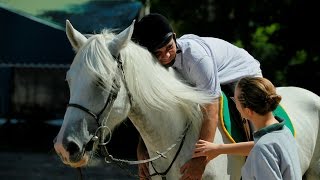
[[153, 87]]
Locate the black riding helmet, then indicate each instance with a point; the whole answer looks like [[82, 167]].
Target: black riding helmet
[[153, 31]]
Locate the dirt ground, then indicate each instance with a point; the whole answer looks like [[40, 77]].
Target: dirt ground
[[41, 166], [26, 153]]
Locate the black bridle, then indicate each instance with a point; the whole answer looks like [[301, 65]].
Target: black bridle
[[112, 96], [109, 158], [109, 102]]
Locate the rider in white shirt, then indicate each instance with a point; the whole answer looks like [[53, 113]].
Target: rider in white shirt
[[208, 62], [205, 63]]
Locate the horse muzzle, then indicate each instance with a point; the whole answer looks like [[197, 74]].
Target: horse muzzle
[[74, 153]]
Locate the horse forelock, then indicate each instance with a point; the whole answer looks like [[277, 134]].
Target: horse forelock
[[95, 59]]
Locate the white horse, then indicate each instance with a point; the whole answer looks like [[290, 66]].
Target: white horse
[[112, 78]]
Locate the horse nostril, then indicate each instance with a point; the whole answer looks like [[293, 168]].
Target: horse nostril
[[89, 145], [73, 148]]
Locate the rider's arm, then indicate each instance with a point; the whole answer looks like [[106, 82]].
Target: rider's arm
[[196, 166], [210, 121], [206, 78]]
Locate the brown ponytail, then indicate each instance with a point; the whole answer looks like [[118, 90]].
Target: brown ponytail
[[258, 94]]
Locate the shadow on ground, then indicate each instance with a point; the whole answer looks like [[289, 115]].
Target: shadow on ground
[[26, 152]]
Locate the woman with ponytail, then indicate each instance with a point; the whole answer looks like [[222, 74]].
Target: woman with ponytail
[[274, 154]]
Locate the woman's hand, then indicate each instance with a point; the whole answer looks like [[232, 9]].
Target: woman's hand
[[205, 148]]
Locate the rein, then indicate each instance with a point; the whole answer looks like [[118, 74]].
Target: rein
[[120, 162]]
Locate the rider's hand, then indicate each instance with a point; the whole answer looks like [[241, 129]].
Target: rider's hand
[[142, 154], [193, 169]]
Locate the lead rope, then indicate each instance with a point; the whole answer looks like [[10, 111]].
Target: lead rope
[[121, 163], [163, 174]]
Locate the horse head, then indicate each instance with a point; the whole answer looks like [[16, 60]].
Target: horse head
[[98, 100], [111, 78]]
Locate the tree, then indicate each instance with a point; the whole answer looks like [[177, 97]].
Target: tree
[[279, 33]]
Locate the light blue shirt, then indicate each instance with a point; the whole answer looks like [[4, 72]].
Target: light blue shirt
[[274, 155], [207, 62]]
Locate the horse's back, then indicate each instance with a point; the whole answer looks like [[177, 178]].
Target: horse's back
[[298, 92], [303, 108]]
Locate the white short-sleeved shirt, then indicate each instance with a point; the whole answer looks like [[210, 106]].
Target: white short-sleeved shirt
[[207, 62]]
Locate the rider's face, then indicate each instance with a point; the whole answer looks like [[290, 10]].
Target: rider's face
[[167, 53]]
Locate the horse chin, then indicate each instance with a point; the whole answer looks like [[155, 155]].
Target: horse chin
[[81, 163]]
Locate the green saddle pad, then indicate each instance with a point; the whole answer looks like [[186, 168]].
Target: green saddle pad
[[229, 125]]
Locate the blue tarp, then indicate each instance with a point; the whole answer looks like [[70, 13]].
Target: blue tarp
[[96, 15], [33, 41], [30, 41], [33, 51]]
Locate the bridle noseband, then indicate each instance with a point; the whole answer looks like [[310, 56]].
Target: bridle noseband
[[111, 98]]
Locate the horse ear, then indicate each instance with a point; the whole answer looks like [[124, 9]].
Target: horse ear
[[121, 40], [75, 37]]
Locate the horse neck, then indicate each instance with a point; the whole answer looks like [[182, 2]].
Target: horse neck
[[160, 130], [120, 108]]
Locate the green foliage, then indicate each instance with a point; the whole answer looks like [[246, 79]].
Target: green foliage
[[316, 59], [299, 58], [281, 34], [239, 43], [262, 46], [269, 52]]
